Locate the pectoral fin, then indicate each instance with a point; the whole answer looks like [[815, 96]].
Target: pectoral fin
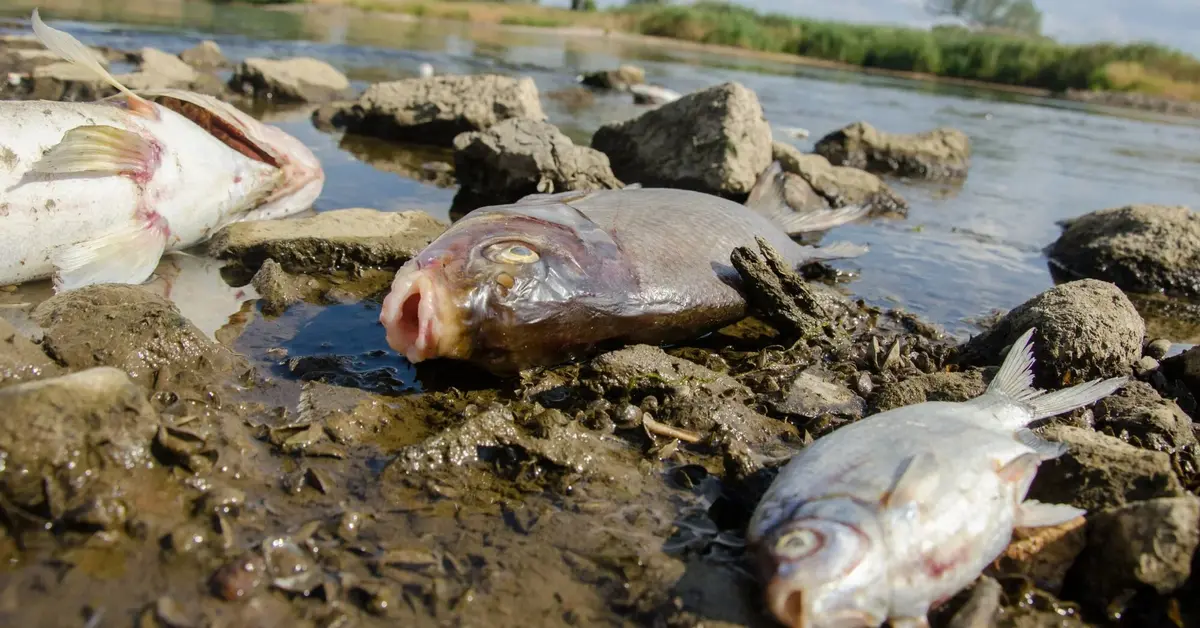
[[1035, 514], [128, 255], [100, 150], [769, 199], [917, 481]]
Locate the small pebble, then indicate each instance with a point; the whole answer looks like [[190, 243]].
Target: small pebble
[[1145, 365], [1157, 348]]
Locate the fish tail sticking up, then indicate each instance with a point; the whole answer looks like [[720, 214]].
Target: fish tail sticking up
[[769, 199], [71, 49], [1014, 383]]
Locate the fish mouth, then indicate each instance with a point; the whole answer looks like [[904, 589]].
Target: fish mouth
[[418, 317], [786, 603]]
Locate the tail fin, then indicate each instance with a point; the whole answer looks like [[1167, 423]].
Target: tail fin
[[1015, 382], [71, 49], [769, 199]]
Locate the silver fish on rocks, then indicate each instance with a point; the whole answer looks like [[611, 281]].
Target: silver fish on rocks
[[888, 517]]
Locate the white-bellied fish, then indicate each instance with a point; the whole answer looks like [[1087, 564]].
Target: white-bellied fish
[[554, 277], [888, 517], [96, 192]]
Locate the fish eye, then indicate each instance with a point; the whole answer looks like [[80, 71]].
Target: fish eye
[[798, 543], [511, 253]]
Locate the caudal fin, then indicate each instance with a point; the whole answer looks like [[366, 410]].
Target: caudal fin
[[769, 199], [1015, 382], [71, 49]]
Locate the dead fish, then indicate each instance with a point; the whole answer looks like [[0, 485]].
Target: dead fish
[[888, 517], [554, 277], [96, 192], [653, 94]]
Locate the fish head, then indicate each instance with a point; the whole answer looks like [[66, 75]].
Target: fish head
[[826, 573], [300, 177], [507, 287]]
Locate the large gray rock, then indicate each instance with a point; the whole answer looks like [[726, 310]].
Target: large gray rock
[[159, 70], [436, 109], [205, 55], [1141, 248], [715, 140], [941, 153], [1145, 544], [339, 239], [300, 79], [1085, 329], [518, 157], [814, 183]]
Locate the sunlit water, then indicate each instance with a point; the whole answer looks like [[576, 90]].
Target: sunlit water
[[963, 251]]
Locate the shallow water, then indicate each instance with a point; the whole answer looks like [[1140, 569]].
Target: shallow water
[[963, 251]]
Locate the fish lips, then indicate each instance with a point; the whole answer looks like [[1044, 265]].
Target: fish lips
[[419, 317]]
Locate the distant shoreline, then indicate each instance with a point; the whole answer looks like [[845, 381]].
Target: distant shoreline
[[1135, 101]]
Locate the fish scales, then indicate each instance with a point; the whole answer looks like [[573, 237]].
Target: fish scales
[[885, 518]]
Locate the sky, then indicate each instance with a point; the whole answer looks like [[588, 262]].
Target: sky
[[1175, 23]]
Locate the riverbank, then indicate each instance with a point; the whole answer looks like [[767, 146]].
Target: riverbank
[[1163, 80]]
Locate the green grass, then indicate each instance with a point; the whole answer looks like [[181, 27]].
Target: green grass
[[532, 20], [951, 52]]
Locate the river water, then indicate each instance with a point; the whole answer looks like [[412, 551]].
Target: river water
[[963, 252]]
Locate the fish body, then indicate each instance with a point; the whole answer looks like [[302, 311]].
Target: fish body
[[554, 277], [96, 192], [888, 517]]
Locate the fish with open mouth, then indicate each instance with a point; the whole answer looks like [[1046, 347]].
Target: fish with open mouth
[[96, 192], [554, 277], [890, 516]]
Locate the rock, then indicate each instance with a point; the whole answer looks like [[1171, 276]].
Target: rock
[[133, 329], [715, 140], [519, 157], [295, 80], [58, 434], [1044, 555], [23, 60], [67, 82], [573, 99], [812, 182], [205, 55], [1141, 248], [278, 290], [1085, 329], [340, 239], [620, 78], [1138, 415], [1100, 471], [1145, 366], [941, 153], [1157, 348], [20, 359], [1147, 544], [1184, 369], [159, 70], [962, 386], [815, 392], [437, 109]]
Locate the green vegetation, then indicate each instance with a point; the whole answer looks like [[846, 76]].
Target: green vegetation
[[533, 20], [998, 56]]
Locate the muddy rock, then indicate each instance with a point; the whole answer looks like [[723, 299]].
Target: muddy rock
[[23, 55], [816, 391], [1142, 544], [813, 182], [941, 153], [1183, 373], [1138, 415], [981, 607], [62, 81], [340, 239], [1099, 471], [346, 414], [278, 290], [300, 79], [620, 78], [58, 434], [1085, 329], [133, 329], [715, 140], [435, 110], [1044, 555], [573, 99], [519, 157], [1141, 248], [960, 386], [687, 395], [20, 359], [159, 70], [205, 55]]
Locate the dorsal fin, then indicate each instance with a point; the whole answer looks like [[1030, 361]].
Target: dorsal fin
[[71, 49], [769, 199]]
